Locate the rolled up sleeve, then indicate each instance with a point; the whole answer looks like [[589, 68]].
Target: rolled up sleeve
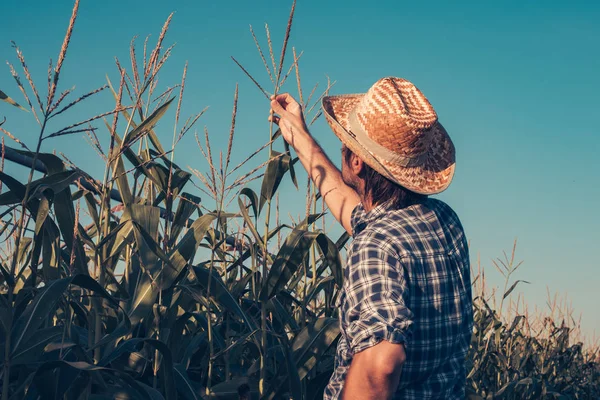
[[376, 293]]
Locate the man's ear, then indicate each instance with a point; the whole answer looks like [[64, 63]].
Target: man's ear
[[356, 164]]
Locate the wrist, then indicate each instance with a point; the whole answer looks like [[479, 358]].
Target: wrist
[[303, 142]]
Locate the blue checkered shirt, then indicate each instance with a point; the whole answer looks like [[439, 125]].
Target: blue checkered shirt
[[407, 280]]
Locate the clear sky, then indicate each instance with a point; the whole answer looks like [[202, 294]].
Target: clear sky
[[515, 84]]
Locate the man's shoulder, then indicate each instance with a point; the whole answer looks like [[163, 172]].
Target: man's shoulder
[[416, 217], [442, 209], [374, 236], [412, 229]]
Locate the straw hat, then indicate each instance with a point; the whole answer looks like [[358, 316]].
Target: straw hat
[[395, 130]]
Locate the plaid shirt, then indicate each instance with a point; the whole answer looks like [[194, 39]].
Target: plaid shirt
[[407, 280]]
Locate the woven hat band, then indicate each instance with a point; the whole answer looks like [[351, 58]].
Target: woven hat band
[[379, 151]]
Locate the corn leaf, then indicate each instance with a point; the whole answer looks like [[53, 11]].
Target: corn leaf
[[220, 294], [512, 287], [10, 101], [312, 342], [185, 387], [147, 125], [185, 208], [278, 165]]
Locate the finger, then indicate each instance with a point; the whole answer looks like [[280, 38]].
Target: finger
[[277, 107], [274, 119], [285, 99]]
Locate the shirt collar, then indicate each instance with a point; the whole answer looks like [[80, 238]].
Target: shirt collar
[[360, 218]]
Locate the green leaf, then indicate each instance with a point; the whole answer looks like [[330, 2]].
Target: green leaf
[[282, 315], [143, 299], [10, 101], [184, 386], [286, 145], [44, 303], [321, 284], [253, 197], [37, 311], [147, 218], [150, 253], [56, 183], [179, 179], [244, 210], [515, 322], [151, 134], [146, 125], [6, 275], [166, 370], [197, 343], [86, 282], [64, 211], [127, 346], [181, 325], [187, 246], [187, 205], [118, 238], [311, 219], [122, 182], [57, 383], [278, 165], [122, 329], [91, 205], [17, 190], [342, 240], [182, 254], [24, 250], [331, 258], [54, 164], [134, 159], [43, 211], [291, 255], [31, 351], [292, 170], [51, 251], [238, 289], [294, 384], [513, 286], [312, 342], [220, 294]]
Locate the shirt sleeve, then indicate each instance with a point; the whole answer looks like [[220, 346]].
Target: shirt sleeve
[[376, 293]]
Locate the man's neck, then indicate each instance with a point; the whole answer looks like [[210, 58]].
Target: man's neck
[[367, 203]]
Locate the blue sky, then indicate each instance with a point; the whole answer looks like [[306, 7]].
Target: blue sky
[[514, 83]]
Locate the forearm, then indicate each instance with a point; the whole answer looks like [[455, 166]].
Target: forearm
[[341, 199], [375, 372], [365, 385]]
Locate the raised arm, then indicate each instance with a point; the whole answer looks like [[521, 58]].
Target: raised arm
[[340, 198]]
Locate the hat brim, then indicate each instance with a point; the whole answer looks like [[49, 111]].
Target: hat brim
[[433, 176]]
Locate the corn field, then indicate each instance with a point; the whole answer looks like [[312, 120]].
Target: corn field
[[157, 282]]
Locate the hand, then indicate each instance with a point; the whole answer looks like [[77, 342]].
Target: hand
[[290, 118], [340, 198]]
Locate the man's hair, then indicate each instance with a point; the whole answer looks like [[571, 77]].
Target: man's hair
[[380, 189]]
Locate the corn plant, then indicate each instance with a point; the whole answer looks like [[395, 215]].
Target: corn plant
[[134, 286], [518, 355]]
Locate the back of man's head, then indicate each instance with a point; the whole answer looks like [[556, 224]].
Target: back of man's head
[[379, 189]]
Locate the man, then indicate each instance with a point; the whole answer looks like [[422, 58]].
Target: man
[[405, 306]]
